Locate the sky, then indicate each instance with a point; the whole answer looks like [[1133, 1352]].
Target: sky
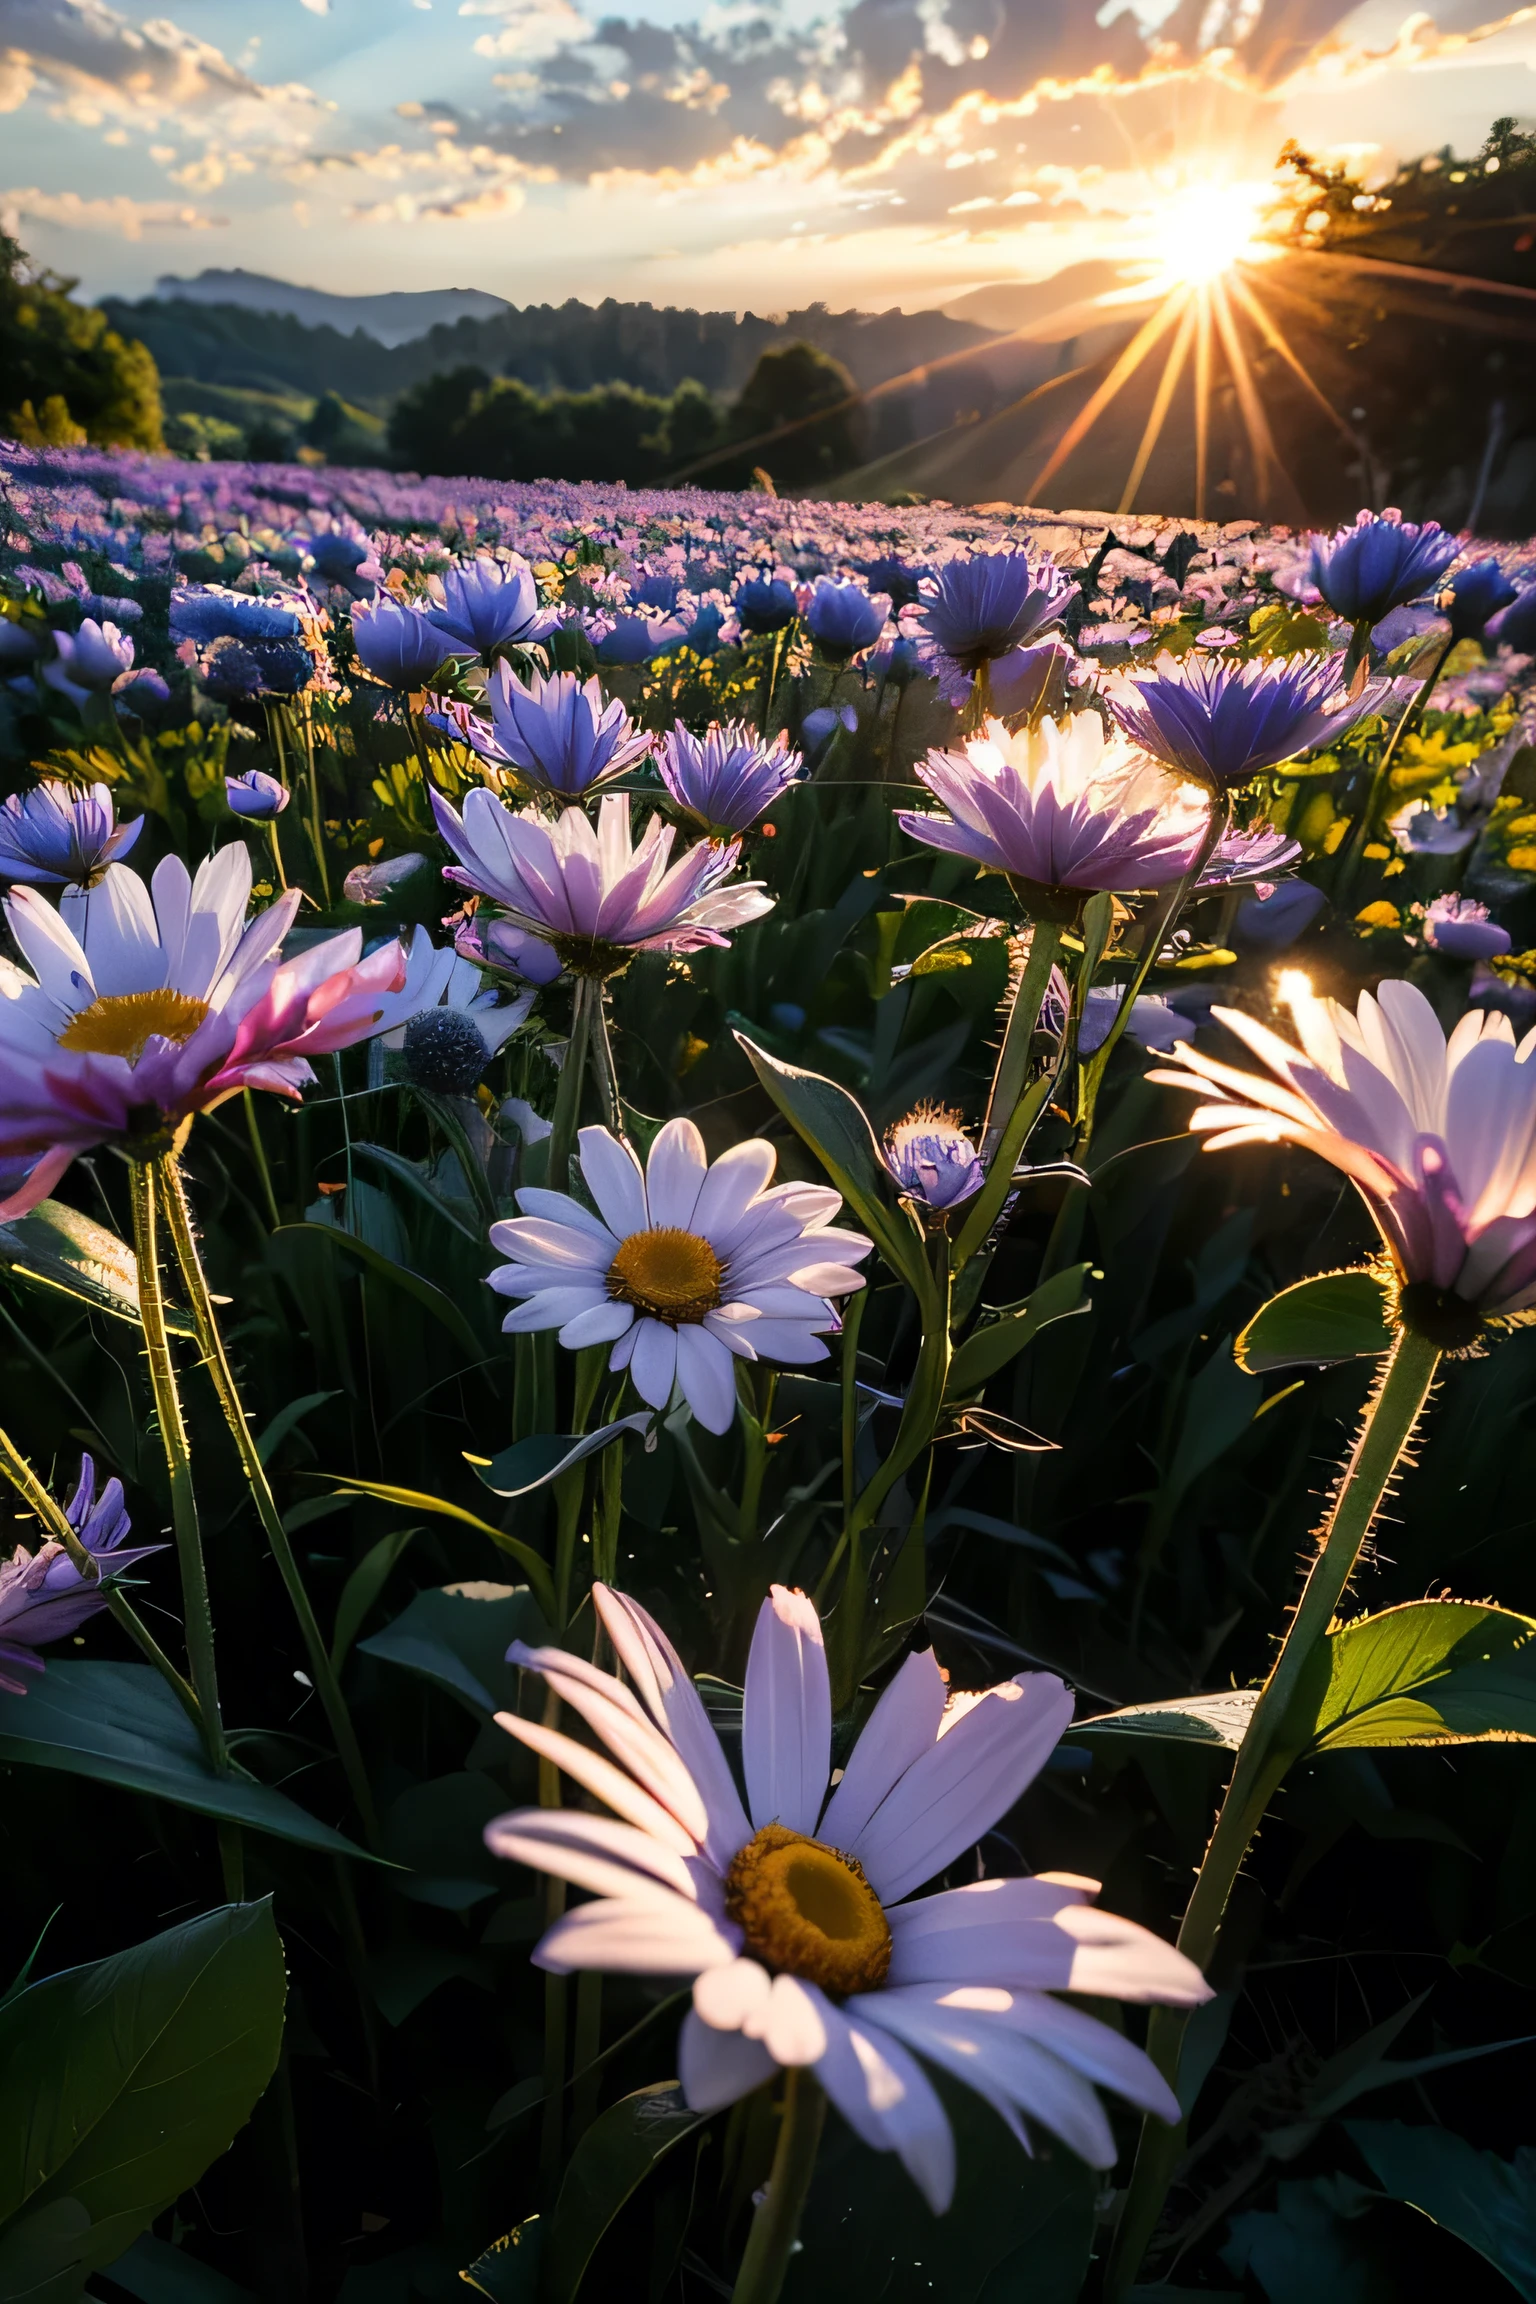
[[745, 153]]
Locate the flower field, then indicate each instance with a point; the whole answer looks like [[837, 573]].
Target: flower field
[[766, 1276]]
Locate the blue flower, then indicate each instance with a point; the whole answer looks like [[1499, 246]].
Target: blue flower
[[656, 590], [726, 779], [1515, 626], [43, 1595], [341, 556], [235, 671], [212, 613], [1268, 923], [933, 1158], [55, 836], [901, 580], [399, 646], [818, 725], [1380, 563], [1462, 930], [843, 618], [256, 796], [560, 734], [1220, 722], [764, 604], [91, 663], [986, 605], [636, 639], [1474, 596], [488, 605]]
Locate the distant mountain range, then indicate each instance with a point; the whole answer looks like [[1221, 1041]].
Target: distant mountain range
[[398, 317]]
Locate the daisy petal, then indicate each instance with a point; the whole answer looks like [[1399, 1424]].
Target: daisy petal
[[615, 1180], [675, 1705], [719, 2068], [652, 1936], [787, 1715], [735, 1998], [899, 1731], [888, 2101], [706, 1378]]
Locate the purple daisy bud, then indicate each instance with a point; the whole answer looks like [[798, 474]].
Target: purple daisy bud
[[1379, 564], [933, 1158], [1220, 722], [256, 796], [1462, 930], [55, 836], [728, 778], [43, 1595]]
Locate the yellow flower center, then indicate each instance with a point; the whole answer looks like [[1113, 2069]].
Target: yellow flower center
[[124, 1023], [806, 1909], [673, 1275]]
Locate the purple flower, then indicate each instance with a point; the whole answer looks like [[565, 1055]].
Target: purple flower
[[211, 613], [560, 734], [342, 556], [507, 950], [764, 604], [1379, 564], [1248, 856], [55, 836], [18, 647], [142, 688], [1515, 626], [1269, 922], [1462, 930], [92, 662], [901, 580], [234, 671], [988, 604], [43, 1595], [399, 646], [933, 1158], [635, 639], [1030, 682], [256, 796], [726, 779], [842, 618], [1220, 722], [1474, 597], [818, 725], [1151, 1023], [487, 605]]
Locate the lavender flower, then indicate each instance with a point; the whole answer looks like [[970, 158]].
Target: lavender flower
[[43, 1595], [842, 618], [256, 796], [764, 604], [933, 1158], [1379, 564], [559, 734], [55, 836], [399, 646], [1462, 930], [1030, 683], [235, 671], [726, 779], [1515, 626], [486, 604], [1474, 597], [342, 556], [984, 606], [1220, 722], [211, 613], [635, 639], [91, 663]]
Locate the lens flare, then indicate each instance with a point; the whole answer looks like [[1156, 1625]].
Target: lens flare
[[1203, 229]]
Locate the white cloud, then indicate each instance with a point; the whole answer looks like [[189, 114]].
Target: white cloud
[[129, 218], [92, 65]]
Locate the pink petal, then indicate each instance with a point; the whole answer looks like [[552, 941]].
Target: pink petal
[[593, 1852], [600, 1777], [734, 1999]]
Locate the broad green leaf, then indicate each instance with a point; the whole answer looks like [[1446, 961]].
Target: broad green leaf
[[1488, 2202], [838, 1133], [1218, 1720], [1429, 1672], [45, 2254], [1336, 1316], [284, 1421], [458, 1635], [534, 1462], [508, 2272], [1006, 1331], [54, 1246], [535, 1569], [614, 2157], [418, 1182], [156, 2273], [1219, 1405], [121, 2082], [362, 1589], [120, 1724], [442, 1308]]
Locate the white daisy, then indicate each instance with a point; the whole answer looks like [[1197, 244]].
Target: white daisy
[[686, 1264], [794, 1913], [446, 1019]]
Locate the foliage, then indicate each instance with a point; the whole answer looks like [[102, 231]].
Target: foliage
[[68, 374]]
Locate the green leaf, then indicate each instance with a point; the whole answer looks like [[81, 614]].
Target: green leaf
[[442, 1308], [1218, 1721], [613, 2159], [1488, 2202], [1007, 1330], [839, 1134], [156, 2273], [535, 1569], [1336, 1316], [508, 2272], [417, 1181], [458, 1635], [54, 1246], [44, 2257], [121, 2082], [534, 1462], [1430, 1672], [120, 1724], [1219, 1405], [285, 1420], [362, 1589]]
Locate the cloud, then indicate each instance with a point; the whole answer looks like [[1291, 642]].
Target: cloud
[[91, 64], [130, 219], [449, 206], [530, 29]]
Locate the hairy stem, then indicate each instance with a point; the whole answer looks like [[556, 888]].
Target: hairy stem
[[775, 2226]]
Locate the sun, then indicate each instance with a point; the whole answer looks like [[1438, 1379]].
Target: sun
[[1200, 230]]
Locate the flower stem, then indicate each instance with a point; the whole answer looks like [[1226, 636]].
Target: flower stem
[[259, 1155], [771, 2241], [1350, 866], [316, 829], [1013, 1057], [211, 1343], [562, 1140], [1269, 1746], [53, 1517], [600, 1046]]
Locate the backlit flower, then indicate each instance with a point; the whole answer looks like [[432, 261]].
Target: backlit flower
[[486, 604], [794, 1914], [687, 1266], [727, 778], [1474, 597], [1380, 563], [149, 1003], [1462, 930], [985, 605], [256, 796], [91, 662], [842, 617], [932, 1156], [43, 1595], [1439, 1135], [57, 834], [560, 734], [399, 646], [1219, 722], [444, 1020], [586, 890], [1062, 810]]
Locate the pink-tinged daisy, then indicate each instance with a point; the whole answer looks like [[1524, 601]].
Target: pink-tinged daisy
[[590, 892], [687, 1266], [150, 1002], [1438, 1134], [794, 1913]]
